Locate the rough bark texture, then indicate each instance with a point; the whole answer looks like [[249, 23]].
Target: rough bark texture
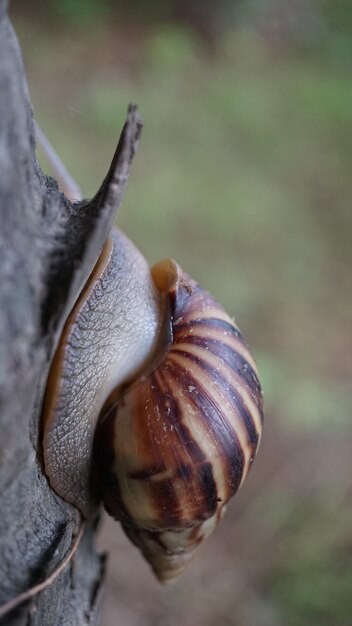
[[48, 247]]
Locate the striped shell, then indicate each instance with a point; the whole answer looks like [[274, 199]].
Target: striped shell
[[182, 439]]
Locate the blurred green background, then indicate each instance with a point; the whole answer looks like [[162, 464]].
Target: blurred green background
[[244, 176]]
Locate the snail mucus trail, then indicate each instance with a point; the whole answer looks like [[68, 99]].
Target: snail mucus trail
[[153, 400]]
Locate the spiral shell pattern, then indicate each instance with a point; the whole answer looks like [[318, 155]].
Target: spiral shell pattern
[[183, 438]]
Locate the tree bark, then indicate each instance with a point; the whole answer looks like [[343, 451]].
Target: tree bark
[[48, 247]]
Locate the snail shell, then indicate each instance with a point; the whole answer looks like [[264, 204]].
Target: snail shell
[[178, 443]]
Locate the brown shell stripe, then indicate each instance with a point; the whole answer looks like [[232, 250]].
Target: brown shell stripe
[[193, 473], [225, 373], [218, 431], [178, 490], [230, 357], [235, 401], [197, 459], [226, 332], [228, 351], [236, 394]]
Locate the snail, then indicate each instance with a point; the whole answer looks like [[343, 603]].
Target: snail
[[153, 405]]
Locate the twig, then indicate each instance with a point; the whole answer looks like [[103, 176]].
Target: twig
[[33, 591], [64, 178]]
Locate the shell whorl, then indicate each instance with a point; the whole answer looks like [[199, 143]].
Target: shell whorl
[[184, 436]]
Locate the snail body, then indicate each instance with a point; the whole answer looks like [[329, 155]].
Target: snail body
[[153, 404], [153, 374], [107, 339]]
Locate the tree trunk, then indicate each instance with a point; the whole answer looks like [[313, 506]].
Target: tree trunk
[[48, 247]]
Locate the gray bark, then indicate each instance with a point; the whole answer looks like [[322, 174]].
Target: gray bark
[[48, 247]]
